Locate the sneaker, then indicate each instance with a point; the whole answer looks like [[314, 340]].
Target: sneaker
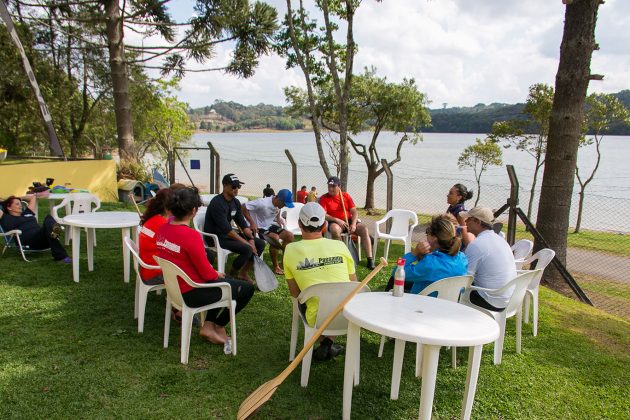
[[66, 260], [56, 231], [322, 353], [335, 350], [370, 264]]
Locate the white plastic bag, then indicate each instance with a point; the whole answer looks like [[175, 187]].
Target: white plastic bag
[[265, 278]]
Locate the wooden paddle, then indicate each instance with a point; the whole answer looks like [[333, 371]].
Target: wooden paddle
[[260, 396], [133, 200], [350, 243]]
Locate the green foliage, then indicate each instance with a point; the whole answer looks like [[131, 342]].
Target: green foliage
[[247, 117], [530, 134], [126, 169], [479, 157]]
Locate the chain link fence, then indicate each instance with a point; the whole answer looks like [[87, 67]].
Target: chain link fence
[[598, 256]]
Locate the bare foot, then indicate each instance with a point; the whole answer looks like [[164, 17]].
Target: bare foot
[[213, 337], [221, 333], [209, 332], [278, 271]]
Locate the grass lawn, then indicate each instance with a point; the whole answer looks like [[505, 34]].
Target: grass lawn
[[72, 350]]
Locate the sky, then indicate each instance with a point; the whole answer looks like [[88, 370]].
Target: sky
[[460, 52]]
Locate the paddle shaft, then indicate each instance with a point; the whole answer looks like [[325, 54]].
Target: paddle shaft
[[280, 378], [351, 247], [131, 195]]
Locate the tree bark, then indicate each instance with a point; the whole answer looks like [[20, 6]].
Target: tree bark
[[120, 80], [567, 114]]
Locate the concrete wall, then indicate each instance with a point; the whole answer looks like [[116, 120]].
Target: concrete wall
[[96, 176]]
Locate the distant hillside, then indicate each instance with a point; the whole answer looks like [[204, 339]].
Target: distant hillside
[[479, 118], [232, 116]]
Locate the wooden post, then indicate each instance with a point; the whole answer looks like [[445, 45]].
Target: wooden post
[[216, 162], [390, 189], [293, 173], [513, 203]]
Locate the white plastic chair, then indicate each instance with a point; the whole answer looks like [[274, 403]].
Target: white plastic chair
[[522, 249], [174, 299], [291, 217], [142, 289], [518, 287], [222, 254], [329, 295], [76, 203], [542, 259], [403, 223]]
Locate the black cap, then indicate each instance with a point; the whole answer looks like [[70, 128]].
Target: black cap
[[333, 180], [231, 179]]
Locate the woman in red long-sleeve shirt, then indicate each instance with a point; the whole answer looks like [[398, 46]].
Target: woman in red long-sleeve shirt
[[183, 246]]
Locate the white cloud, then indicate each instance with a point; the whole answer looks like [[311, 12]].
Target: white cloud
[[458, 51]]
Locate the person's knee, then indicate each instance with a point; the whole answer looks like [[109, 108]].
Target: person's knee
[[335, 230], [286, 236], [245, 291]]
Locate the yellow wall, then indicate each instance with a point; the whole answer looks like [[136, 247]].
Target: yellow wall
[[96, 176]]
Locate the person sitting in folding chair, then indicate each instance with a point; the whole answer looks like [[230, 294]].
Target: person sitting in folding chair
[[33, 235], [263, 216], [315, 260], [222, 211], [180, 244], [342, 217]]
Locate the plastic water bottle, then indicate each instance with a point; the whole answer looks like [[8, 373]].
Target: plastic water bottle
[[399, 278]]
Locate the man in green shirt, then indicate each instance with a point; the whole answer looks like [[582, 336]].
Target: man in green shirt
[[314, 260]]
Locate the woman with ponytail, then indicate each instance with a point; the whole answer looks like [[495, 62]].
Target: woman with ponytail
[[437, 258], [455, 199]]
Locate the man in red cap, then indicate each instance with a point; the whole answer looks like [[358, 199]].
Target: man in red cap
[[342, 216]]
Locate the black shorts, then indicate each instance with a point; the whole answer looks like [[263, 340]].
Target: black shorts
[[271, 229]]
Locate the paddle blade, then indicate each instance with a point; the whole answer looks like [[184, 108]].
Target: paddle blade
[[256, 399]]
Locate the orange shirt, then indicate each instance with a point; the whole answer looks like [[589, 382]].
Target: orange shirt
[[332, 205]]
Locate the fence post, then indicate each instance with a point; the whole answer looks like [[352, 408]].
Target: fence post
[[216, 164], [513, 203], [293, 173], [390, 189]]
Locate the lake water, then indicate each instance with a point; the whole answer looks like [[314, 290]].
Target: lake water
[[422, 178]]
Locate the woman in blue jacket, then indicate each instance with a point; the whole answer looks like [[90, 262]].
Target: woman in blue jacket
[[437, 258]]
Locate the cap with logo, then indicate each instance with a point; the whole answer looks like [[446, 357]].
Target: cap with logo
[[312, 214], [286, 197], [483, 214], [231, 179], [333, 180]]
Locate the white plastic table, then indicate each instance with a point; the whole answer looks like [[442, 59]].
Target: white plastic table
[[420, 319], [123, 220]]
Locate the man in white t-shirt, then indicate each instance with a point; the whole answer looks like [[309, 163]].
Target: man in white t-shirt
[[490, 260], [263, 216]]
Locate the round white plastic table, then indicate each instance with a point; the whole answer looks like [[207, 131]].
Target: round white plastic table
[[100, 220], [420, 319]]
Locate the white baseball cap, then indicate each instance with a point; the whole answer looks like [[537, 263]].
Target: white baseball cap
[[312, 214]]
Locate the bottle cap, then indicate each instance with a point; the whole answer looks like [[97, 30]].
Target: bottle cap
[[401, 261]]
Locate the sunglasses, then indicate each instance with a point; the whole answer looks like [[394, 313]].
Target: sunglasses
[[236, 187]]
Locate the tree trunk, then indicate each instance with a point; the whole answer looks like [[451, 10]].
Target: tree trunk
[[532, 193], [565, 123], [369, 194], [579, 215], [120, 80]]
